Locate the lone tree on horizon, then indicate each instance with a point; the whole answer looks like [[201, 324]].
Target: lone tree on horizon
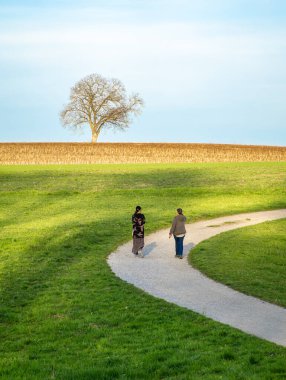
[[100, 103]]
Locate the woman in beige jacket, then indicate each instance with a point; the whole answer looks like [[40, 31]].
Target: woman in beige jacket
[[178, 230]]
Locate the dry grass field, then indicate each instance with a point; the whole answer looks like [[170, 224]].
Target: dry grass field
[[87, 153]]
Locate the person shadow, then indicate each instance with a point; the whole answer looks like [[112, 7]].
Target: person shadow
[[149, 248], [187, 248]]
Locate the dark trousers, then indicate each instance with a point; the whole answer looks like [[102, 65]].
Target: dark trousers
[[179, 245]]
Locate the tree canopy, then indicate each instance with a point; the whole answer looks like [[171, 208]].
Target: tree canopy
[[100, 103]]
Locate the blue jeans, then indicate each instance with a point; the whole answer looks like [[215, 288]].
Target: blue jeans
[[179, 245]]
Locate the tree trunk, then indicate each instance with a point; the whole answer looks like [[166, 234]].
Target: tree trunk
[[94, 136]]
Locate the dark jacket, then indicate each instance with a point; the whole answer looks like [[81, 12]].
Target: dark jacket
[[178, 225], [138, 221]]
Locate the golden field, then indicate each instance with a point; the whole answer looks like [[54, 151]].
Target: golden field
[[88, 153]]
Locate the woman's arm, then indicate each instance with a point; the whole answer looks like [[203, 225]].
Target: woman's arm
[[173, 227]]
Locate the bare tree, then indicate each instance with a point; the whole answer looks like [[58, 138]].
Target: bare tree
[[100, 103]]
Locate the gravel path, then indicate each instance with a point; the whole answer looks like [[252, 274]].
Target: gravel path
[[174, 280]]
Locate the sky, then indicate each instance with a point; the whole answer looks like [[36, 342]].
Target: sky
[[209, 71]]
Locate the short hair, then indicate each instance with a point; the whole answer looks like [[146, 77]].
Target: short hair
[[179, 210]]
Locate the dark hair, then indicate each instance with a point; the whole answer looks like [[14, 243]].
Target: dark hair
[[180, 211], [138, 208]]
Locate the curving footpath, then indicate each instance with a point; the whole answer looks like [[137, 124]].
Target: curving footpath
[[174, 280]]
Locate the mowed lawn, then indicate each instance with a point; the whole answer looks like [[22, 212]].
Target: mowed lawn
[[64, 315], [251, 260]]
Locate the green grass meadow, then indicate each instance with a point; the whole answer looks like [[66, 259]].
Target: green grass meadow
[[64, 315], [251, 260]]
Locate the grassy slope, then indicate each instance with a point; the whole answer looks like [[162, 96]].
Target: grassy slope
[[251, 260], [64, 315]]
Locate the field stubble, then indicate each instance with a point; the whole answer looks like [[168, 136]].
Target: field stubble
[[123, 153]]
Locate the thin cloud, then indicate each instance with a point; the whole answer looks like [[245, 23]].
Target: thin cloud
[[173, 63], [166, 58]]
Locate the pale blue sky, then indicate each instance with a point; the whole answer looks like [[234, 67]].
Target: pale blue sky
[[208, 70]]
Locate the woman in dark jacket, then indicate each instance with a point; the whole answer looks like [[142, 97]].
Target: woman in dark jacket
[[178, 230], [138, 221]]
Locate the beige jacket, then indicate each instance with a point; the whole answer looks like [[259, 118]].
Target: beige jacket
[[178, 225]]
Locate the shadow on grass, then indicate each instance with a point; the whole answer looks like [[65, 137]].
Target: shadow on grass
[[37, 268], [108, 318], [99, 177]]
